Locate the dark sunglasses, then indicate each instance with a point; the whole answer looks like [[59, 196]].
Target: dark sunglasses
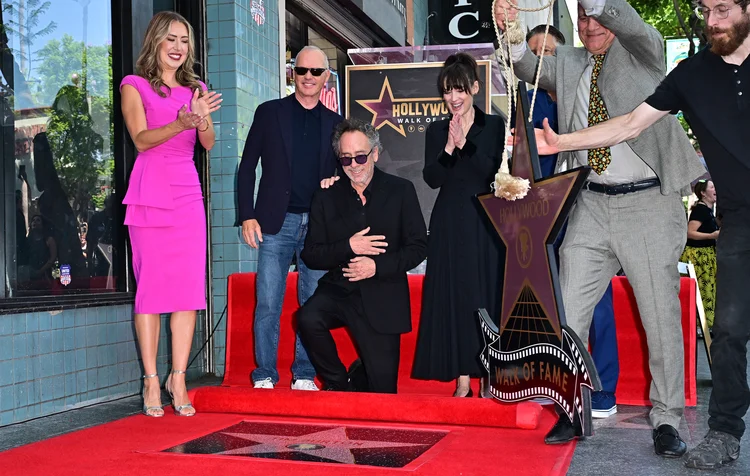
[[301, 71], [360, 159]]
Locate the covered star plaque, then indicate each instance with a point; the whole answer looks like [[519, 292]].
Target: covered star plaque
[[533, 354]]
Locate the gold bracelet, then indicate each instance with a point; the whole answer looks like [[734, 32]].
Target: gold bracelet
[[204, 130]]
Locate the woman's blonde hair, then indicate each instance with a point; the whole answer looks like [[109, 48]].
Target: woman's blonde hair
[[147, 65]]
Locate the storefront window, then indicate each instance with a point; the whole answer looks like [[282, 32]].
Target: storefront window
[[58, 147]]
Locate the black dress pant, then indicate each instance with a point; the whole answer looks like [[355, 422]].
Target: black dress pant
[[730, 397], [379, 353]]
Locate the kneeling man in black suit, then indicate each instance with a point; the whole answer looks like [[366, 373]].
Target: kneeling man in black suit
[[368, 231]]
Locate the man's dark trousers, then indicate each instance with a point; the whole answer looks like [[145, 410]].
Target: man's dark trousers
[[730, 397], [379, 352]]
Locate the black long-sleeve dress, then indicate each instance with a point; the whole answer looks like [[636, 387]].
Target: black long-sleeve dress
[[465, 257]]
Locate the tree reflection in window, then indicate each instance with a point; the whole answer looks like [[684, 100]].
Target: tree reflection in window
[[60, 103]]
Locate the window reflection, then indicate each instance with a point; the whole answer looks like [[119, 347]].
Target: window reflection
[[56, 95]]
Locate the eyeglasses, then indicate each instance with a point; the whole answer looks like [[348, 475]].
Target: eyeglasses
[[301, 71], [346, 161], [720, 12]]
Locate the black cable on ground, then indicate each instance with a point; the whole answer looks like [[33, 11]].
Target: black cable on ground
[[209, 338]]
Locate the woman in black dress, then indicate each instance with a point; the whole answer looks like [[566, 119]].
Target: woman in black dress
[[464, 258], [700, 248]]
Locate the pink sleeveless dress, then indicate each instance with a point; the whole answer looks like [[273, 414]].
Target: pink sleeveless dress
[[165, 214]]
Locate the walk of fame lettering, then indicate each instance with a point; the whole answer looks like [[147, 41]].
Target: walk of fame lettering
[[529, 352], [389, 111]]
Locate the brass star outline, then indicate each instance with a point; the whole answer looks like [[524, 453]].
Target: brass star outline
[[387, 87]]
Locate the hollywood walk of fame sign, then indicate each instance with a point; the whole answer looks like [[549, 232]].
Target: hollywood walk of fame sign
[[532, 354], [401, 101], [343, 444]]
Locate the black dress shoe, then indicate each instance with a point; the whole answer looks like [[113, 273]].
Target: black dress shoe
[[358, 377], [469, 394], [563, 432], [336, 387], [667, 442]]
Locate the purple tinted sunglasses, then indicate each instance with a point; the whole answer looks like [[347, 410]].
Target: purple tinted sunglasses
[[360, 159]]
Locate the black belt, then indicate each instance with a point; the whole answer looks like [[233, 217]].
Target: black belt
[[623, 187]]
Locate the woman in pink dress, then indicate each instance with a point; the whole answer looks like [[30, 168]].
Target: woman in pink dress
[[165, 108]]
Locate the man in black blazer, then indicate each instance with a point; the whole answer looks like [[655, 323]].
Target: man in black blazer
[[369, 231], [292, 139]]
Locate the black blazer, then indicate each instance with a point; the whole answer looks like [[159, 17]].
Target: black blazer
[[270, 140], [393, 211]]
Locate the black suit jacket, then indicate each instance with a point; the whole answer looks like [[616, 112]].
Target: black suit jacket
[[394, 212], [270, 140]]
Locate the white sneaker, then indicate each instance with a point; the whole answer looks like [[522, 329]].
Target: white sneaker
[[265, 383], [303, 384]]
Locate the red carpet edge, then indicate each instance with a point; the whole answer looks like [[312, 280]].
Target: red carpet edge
[[367, 406]]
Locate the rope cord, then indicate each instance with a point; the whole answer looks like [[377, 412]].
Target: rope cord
[[515, 187]]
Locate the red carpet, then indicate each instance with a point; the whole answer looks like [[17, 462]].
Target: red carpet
[[240, 357], [483, 436], [368, 406], [632, 388], [418, 401], [133, 446], [635, 378]]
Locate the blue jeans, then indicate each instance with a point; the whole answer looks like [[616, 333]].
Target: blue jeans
[[274, 257]]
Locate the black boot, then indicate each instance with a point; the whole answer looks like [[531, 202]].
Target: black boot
[[563, 431]]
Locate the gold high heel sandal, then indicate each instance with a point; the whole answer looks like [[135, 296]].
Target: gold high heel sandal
[[155, 411], [178, 409]]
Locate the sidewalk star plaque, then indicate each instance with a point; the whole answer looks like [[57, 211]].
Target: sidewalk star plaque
[[532, 353]]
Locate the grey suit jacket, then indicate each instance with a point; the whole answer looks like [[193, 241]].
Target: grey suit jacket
[[633, 68]]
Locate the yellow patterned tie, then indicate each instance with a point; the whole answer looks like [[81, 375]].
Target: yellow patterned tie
[[600, 158]]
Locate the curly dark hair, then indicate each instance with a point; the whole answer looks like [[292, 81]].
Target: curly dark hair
[[353, 124]]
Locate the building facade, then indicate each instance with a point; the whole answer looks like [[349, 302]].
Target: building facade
[[67, 290]]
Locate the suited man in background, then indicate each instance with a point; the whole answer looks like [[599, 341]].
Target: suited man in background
[[630, 212], [292, 139], [369, 231]]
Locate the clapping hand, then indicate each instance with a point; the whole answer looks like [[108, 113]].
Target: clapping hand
[[360, 268], [204, 105], [188, 120], [456, 131]]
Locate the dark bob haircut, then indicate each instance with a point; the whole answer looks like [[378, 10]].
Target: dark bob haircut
[[459, 72]]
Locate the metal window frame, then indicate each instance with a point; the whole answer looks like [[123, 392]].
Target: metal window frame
[[124, 153]]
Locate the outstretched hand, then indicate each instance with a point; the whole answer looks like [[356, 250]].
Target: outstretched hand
[[547, 140]]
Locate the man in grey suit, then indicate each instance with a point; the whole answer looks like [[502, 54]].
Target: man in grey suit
[[630, 213], [711, 88]]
